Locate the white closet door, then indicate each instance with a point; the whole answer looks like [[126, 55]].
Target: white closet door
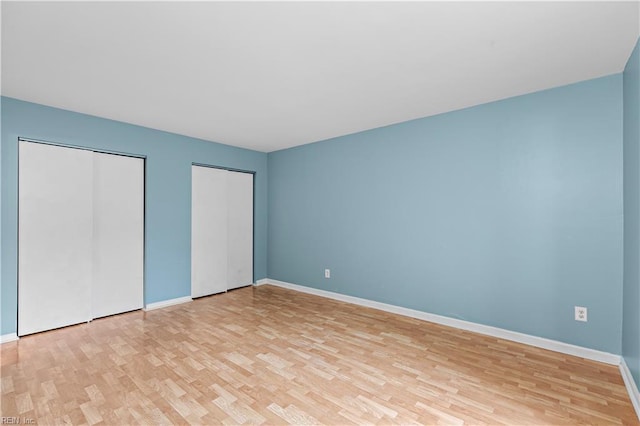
[[208, 231], [55, 234], [118, 234], [240, 225]]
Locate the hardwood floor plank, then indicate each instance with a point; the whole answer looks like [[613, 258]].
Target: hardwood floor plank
[[266, 355]]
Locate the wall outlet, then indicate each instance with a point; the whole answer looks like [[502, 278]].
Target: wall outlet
[[580, 313], [327, 273]]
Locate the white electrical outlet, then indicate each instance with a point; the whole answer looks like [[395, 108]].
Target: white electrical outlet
[[327, 273], [580, 313]]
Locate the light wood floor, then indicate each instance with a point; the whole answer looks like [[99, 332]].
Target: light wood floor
[[270, 355]]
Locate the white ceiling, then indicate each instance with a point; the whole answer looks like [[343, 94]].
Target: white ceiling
[[268, 76]]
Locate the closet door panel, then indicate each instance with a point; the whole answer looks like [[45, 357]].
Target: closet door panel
[[208, 231], [240, 225], [118, 234], [55, 233]]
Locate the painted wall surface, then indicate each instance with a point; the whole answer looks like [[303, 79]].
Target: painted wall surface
[[631, 287], [167, 194], [1, 179], [507, 214]]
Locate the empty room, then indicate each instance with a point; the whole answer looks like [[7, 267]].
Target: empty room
[[320, 213]]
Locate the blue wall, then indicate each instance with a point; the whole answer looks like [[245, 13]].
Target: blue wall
[[631, 288], [507, 214], [168, 192], [1, 203]]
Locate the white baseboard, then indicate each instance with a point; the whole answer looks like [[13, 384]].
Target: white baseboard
[[501, 333], [262, 282], [165, 303], [634, 393], [5, 338]]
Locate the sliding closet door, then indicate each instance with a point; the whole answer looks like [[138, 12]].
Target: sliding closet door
[[208, 231], [55, 236], [118, 234], [240, 225], [81, 221]]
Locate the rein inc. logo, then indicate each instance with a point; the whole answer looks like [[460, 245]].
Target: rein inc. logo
[[17, 421]]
